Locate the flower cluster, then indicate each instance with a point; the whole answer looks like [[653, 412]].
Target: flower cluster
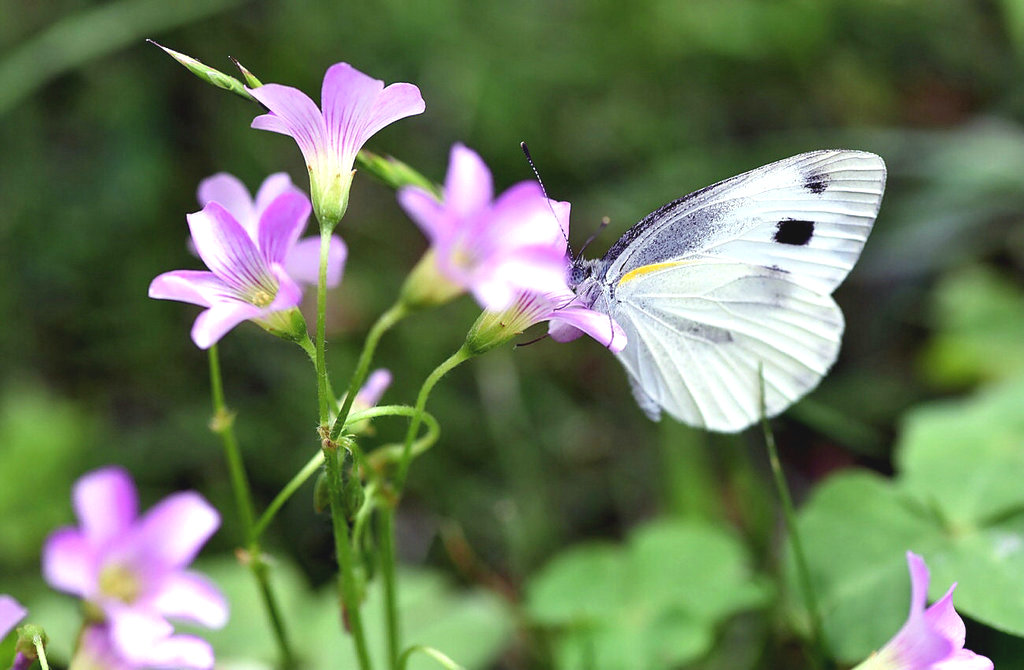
[[512, 254], [132, 574]]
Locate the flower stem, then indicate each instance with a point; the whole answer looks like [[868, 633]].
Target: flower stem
[[387, 513], [804, 575], [460, 356], [343, 551], [442, 659], [37, 642], [223, 424], [322, 393], [388, 563], [388, 319], [307, 471]]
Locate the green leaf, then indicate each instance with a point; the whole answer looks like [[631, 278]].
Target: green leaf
[[856, 530], [966, 457], [978, 316], [581, 585], [471, 627], [957, 501], [653, 603]]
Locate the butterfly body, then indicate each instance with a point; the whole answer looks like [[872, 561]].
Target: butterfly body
[[735, 279]]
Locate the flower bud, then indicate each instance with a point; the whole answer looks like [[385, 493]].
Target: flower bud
[[207, 73], [426, 286], [394, 172], [329, 192], [287, 324], [321, 494], [26, 644]]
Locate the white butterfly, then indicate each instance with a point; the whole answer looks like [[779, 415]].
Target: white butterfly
[[736, 276]]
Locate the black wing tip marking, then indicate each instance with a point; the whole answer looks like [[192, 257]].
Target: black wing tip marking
[[816, 183], [794, 232]]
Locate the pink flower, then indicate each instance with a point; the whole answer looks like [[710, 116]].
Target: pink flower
[[355, 106], [493, 248], [246, 246], [568, 319], [370, 393], [132, 570], [932, 638], [302, 262], [11, 612]]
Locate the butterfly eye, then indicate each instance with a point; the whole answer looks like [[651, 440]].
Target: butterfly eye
[[578, 274]]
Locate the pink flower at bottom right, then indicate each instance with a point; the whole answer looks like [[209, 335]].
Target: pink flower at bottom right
[[932, 638]]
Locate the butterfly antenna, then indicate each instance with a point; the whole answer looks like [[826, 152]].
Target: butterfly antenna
[[533, 341], [529, 159], [593, 236]]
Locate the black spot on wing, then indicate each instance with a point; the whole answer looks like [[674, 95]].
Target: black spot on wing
[[816, 183], [794, 232]]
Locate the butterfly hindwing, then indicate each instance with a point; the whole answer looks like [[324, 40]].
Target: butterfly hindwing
[[699, 333]]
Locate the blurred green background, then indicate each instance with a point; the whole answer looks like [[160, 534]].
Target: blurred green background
[[103, 140]]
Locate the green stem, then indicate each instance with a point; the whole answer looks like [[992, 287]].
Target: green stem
[[307, 471], [460, 356], [387, 523], [388, 319], [37, 642], [803, 574], [343, 551], [441, 658], [388, 562], [223, 424], [320, 362]]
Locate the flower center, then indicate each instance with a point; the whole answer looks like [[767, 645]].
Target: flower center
[[261, 298], [120, 583]]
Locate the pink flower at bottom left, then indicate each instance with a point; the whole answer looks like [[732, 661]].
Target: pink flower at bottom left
[[131, 571]]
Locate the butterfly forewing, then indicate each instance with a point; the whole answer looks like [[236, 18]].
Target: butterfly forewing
[[808, 215]]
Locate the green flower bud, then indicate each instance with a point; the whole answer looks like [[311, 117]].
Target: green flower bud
[[207, 73], [426, 286], [287, 324]]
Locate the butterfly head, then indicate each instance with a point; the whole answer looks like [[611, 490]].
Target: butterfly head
[[581, 271]]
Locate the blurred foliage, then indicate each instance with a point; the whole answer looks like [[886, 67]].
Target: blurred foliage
[[625, 106], [957, 501], [653, 603]]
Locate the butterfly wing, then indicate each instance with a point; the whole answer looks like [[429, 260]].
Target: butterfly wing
[[807, 215], [700, 333]]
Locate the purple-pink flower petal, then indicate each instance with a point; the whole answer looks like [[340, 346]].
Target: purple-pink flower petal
[[932, 638], [280, 225], [356, 106], [70, 562], [105, 503], [429, 214], [228, 251], [11, 612], [215, 322], [228, 191], [303, 261], [291, 113], [146, 640], [569, 322], [199, 287], [190, 596], [273, 186], [369, 395], [173, 531], [468, 186]]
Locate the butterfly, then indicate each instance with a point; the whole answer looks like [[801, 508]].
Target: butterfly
[[733, 283]]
